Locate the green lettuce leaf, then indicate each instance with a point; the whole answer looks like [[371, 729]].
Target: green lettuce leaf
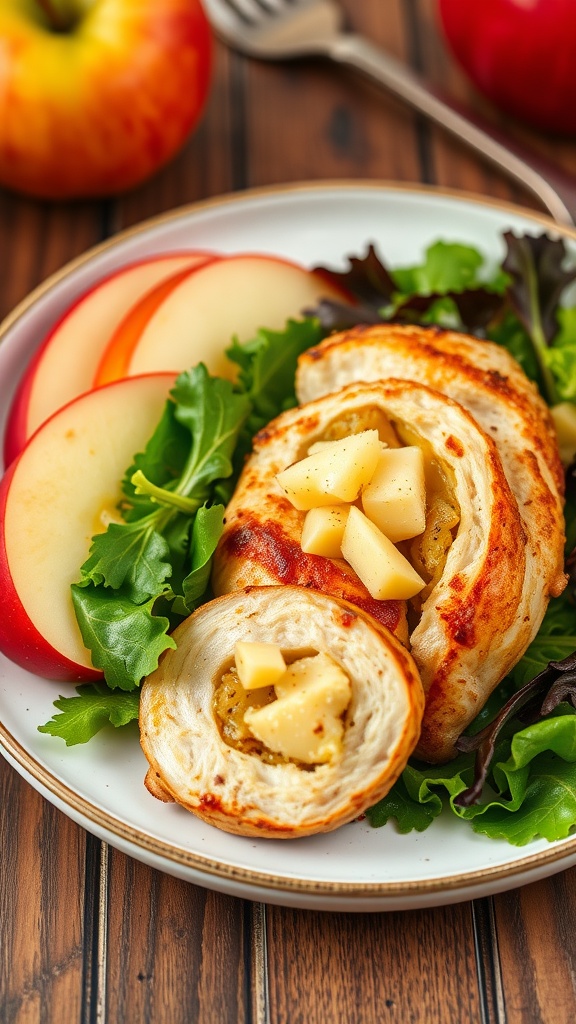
[[214, 414], [414, 801], [166, 546], [206, 533], [447, 267], [129, 556], [537, 783], [561, 356], [94, 707], [125, 639], [162, 462], [268, 367], [533, 782]]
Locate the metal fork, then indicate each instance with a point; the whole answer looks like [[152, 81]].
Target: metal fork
[[279, 29]]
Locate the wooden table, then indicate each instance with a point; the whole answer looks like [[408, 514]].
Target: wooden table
[[89, 935]]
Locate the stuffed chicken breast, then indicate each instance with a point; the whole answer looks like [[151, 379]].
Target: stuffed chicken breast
[[487, 381], [304, 755], [472, 618]]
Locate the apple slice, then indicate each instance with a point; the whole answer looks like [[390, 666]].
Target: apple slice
[[65, 364], [194, 319], [51, 502]]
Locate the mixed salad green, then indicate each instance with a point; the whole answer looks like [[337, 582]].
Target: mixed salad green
[[515, 777]]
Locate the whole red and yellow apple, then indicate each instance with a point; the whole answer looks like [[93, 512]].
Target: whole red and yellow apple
[[96, 95]]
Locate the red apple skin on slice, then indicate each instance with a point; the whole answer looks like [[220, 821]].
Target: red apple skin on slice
[[65, 364], [198, 317], [51, 501], [117, 356]]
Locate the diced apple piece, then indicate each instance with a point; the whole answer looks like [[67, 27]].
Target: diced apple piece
[[336, 473], [303, 672], [383, 570], [395, 498], [564, 416], [305, 723], [51, 501], [258, 664], [65, 364], [320, 446], [323, 530], [197, 320]]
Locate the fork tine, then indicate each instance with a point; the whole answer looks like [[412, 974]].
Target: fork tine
[[274, 29], [276, 6], [249, 11]]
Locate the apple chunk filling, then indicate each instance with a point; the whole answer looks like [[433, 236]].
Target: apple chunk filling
[[230, 704], [395, 498], [379, 498], [427, 552], [323, 530], [383, 569], [258, 664], [337, 472], [299, 719]]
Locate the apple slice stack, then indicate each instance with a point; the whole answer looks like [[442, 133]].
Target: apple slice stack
[[163, 314], [90, 399]]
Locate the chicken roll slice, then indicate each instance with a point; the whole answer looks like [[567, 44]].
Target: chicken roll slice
[[490, 384], [474, 619], [195, 715]]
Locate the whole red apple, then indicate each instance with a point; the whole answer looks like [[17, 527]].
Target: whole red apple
[[520, 54], [96, 95]]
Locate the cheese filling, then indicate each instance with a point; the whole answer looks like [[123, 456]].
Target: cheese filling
[[299, 719]]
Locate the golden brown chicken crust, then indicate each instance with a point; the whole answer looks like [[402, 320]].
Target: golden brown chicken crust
[[457, 364], [473, 626], [259, 551], [192, 764]]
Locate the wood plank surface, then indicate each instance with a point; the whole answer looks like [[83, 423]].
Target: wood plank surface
[[176, 952], [537, 951], [88, 935], [372, 967], [309, 120], [42, 951]]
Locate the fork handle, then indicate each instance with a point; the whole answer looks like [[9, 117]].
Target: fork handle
[[400, 80]]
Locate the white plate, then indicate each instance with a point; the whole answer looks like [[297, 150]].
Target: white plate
[[100, 785]]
